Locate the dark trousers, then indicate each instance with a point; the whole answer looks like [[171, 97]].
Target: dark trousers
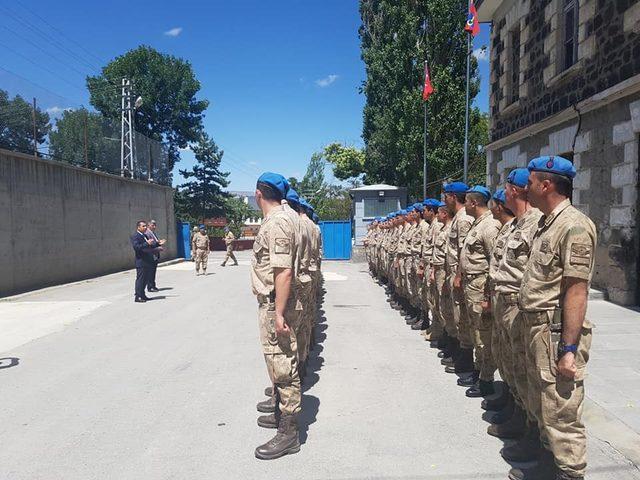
[[142, 278], [151, 281]]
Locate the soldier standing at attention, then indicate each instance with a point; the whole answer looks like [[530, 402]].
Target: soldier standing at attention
[[553, 299], [474, 268], [272, 278], [229, 238], [200, 245], [442, 310]]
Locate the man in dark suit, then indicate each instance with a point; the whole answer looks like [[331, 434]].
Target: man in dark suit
[[150, 233], [145, 260]]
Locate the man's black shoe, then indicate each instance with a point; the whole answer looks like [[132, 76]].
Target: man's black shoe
[[140, 300], [153, 289]]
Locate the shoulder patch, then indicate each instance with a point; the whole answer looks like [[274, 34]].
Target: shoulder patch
[[283, 246], [580, 254]]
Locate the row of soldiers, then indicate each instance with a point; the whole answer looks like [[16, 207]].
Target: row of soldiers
[[286, 279], [505, 278]]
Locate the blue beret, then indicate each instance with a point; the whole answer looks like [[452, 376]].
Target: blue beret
[[403, 212], [202, 227], [441, 204], [456, 187], [410, 208], [519, 177], [275, 180], [482, 190], [418, 206], [499, 196], [431, 202], [316, 218], [557, 165], [293, 197]]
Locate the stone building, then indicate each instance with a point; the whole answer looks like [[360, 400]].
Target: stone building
[[565, 80]]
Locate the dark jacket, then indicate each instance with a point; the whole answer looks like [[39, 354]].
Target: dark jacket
[[152, 236], [144, 252]]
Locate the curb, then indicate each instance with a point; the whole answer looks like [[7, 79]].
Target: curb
[[79, 282]]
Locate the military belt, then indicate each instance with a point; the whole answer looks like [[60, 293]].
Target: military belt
[[509, 298]]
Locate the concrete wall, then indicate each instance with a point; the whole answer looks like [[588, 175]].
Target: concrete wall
[[361, 222], [59, 223]]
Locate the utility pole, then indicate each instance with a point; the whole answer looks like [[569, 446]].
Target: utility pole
[[127, 153], [35, 129], [149, 177], [86, 148]]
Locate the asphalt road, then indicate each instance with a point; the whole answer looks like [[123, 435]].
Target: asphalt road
[[97, 387]]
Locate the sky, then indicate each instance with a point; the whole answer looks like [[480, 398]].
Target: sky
[[282, 77]]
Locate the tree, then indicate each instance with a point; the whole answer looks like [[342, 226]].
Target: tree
[[313, 181], [394, 45], [237, 212], [67, 141], [16, 124], [170, 111], [348, 162], [334, 203], [203, 196]]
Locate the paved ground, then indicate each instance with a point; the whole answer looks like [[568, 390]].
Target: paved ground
[[97, 387]]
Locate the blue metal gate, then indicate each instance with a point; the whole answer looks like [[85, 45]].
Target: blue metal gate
[[336, 239], [183, 239]]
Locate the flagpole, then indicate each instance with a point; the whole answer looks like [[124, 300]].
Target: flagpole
[[424, 155], [466, 116]]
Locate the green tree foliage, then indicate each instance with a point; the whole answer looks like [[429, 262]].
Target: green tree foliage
[[394, 45], [170, 111], [67, 141], [313, 181], [16, 124], [237, 212], [348, 162], [203, 197]]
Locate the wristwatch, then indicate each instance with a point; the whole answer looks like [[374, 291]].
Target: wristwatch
[[564, 348]]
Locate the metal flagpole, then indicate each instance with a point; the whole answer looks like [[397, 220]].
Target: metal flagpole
[[466, 116], [424, 161]]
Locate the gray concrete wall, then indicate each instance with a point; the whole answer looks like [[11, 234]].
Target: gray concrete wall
[[60, 223]]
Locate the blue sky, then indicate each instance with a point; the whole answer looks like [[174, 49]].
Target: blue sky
[[282, 77]]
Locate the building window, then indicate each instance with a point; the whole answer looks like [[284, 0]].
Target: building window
[[379, 207], [570, 33], [514, 83]]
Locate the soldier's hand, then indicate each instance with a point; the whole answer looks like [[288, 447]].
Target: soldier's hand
[[457, 281], [282, 329], [486, 306], [432, 277], [567, 366], [162, 242]]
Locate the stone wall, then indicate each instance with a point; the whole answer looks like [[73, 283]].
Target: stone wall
[[60, 223], [605, 153], [608, 53]]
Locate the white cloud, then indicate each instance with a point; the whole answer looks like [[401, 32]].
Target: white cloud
[[481, 54], [174, 32], [326, 81], [55, 111]]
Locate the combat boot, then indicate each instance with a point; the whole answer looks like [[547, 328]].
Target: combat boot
[[268, 391], [499, 402], [442, 341], [463, 362], [513, 428], [527, 449], [285, 442], [469, 380], [267, 406], [545, 469], [411, 317], [268, 421], [505, 414], [483, 388], [450, 352], [565, 476]]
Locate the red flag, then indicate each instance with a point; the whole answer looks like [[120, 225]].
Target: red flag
[[473, 25], [428, 87]]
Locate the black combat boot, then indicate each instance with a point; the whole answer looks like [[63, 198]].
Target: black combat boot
[[527, 449], [544, 470], [268, 405], [512, 428], [269, 421], [483, 388], [285, 442], [451, 353], [469, 380], [268, 391], [499, 402], [505, 414], [412, 315], [463, 362], [565, 476], [442, 341]]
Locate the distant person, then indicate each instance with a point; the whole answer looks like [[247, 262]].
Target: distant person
[[193, 253], [151, 235], [145, 260], [229, 239], [200, 247]]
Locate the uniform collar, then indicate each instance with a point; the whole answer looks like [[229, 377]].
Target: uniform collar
[[556, 212], [482, 217], [279, 208]]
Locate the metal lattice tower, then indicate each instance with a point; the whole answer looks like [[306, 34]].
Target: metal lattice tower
[[127, 148]]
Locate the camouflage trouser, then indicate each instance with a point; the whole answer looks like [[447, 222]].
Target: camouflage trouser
[[505, 308], [229, 255], [445, 307], [402, 275], [281, 356], [307, 297], [413, 282], [202, 257], [480, 325], [556, 401], [459, 309]]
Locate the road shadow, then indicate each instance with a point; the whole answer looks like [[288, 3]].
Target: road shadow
[[308, 415], [9, 362], [164, 289]]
